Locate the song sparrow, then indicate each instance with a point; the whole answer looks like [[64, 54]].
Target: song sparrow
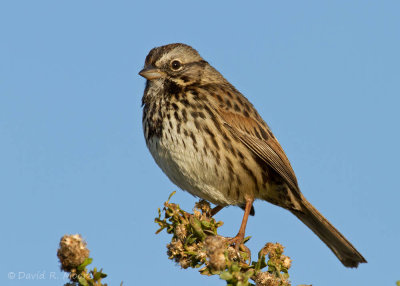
[[210, 141]]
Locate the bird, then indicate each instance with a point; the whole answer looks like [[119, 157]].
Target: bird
[[211, 142]]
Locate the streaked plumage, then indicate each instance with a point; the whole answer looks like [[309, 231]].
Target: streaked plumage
[[210, 141]]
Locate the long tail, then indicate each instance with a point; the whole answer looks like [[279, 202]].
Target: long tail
[[339, 245]]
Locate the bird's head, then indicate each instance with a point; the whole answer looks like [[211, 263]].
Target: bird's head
[[178, 63]]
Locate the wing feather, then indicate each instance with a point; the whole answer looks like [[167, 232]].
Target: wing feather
[[266, 147], [266, 152], [241, 119]]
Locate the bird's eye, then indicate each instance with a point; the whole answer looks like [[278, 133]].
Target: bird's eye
[[176, 65]]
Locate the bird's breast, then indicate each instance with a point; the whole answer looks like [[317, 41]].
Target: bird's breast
[[194, 150], [187, 161]]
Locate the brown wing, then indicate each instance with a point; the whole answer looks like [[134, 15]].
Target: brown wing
[[258, 138], [243, 121]]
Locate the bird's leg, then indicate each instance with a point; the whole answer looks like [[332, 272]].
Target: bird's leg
[[238, 239], [215, 210]]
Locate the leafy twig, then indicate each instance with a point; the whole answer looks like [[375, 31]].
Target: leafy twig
[[74, 258], [195, 243]]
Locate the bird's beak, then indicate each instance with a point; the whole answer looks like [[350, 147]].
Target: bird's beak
[[151, 73]]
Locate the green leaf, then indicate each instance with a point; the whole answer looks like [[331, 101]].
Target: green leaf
[[84, 264], [285, 275], [170, 196], [235, 267], [246, 239], [260, 263], [206, 223], [205, 271], [160, 229], [398, 283], [190, 239], [225, 276], [196, 225], [82, 281], [249, 273], [96, 276]]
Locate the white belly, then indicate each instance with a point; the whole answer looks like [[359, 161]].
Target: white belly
[[190, 168]]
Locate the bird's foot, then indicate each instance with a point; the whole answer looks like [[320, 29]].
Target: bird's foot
[[237, 242]]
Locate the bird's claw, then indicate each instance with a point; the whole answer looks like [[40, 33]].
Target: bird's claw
[[238, 244]]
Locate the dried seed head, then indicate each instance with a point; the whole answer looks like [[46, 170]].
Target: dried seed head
[[196, 214], [177, 252], [72, 252], [201, 255], [175, 249], [181, 232], [233, 255], [274, 250], [192, 247], [217, 261], [215, 248], [214, 244], [286, 261], [184, 262], [204, 206], [266, 279]]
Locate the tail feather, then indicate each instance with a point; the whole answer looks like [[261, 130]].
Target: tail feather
[[339, 245]]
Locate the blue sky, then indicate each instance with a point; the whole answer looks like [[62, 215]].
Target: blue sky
[[325, 76]]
